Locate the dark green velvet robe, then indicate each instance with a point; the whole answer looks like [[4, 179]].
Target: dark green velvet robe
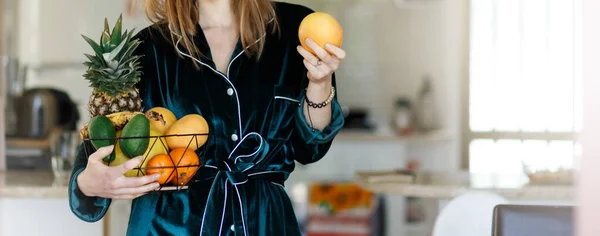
[[257, 132]]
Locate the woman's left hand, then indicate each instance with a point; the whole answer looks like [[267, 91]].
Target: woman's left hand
[[321, 67]]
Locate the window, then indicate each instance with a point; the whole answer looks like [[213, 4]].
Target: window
[[523, 95]]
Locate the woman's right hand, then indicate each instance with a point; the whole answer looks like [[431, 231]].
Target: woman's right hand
[[100, 180]]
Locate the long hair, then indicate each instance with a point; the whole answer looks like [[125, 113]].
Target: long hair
[[182, 16]]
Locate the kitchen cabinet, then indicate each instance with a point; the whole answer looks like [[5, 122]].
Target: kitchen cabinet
[[50, 31], [35, 203], [43, 216]]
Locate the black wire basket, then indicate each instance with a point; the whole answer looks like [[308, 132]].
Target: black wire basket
[[177, 165]]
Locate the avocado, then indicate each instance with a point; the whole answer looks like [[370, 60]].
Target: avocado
[[135, 136], [102, 133]]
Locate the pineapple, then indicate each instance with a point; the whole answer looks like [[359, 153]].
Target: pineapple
[[113, 72]]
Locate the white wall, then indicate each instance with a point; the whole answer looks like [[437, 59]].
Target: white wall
[[50, 30]]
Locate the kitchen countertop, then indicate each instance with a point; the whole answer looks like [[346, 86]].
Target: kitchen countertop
[[26, 184], [450, 185], [32, 184], [386, 135], [562, 193]]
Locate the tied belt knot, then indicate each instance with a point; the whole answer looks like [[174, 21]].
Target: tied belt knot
[[228, 187], [238, 176]]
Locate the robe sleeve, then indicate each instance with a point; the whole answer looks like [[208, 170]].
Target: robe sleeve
[[310, 145], [89, 209]]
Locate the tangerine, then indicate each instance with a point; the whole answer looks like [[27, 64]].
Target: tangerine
[[187, 162], [192, 130], [163, 165], [322, 28]]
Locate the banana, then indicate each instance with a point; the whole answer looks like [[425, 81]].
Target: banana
[[119, 120]]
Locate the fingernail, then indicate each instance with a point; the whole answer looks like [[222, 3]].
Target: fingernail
[[328, 46], [308, 40], [155, 185], [156, 176]]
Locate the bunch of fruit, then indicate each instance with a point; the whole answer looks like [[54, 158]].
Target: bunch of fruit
[[168, 145]]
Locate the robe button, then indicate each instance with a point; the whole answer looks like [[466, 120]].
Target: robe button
[[234, 137], [229, 91], [232, 228]]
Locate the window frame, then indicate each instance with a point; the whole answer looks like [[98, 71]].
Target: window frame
[[468, 135]]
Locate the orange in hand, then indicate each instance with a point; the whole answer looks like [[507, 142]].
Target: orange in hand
[[163, 165], [321, 28], [187, 162]]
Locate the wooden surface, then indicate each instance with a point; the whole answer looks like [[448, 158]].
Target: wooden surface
[[33, 143], [28, 143], [450, 185], [32, 184]]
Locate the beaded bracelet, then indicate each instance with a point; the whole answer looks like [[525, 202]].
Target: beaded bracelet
[[322, 104]]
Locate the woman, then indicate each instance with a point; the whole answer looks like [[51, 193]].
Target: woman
[[239, 64]]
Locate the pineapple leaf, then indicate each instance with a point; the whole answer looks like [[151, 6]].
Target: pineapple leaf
[[124, 34], [116, 51], [116, 33], [130, 35], [129, 60], [106, 27], [106, 41], [131, 46], [127, 53], [97, 48], [94, 60], [114, 68], [89, 56]]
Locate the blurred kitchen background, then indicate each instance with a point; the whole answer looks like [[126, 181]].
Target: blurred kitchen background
[[442, 97]]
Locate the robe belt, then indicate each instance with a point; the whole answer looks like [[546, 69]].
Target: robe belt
[[237, 178], [231, 175]]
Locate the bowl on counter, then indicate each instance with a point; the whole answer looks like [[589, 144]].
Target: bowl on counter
[[549, 175]]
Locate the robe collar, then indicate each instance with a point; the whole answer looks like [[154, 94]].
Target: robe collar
[[202, 44]]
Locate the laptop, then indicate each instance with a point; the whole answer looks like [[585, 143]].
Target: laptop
[[533, 220]]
